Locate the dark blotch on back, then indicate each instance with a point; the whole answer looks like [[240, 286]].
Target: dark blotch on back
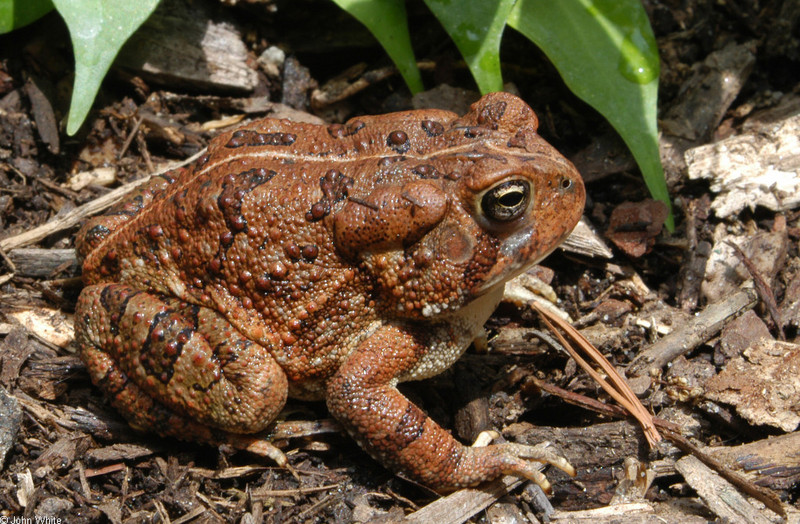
[[398, 141], [426, 171], [335, 188], [432, 128], [248, 137], [230, 199], [341, 131]]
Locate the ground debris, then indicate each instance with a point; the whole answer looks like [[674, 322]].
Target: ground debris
[[720, 496], [763, 384], [10, 420], [767, 250], [677, 314], [759, 167], [634, 226]]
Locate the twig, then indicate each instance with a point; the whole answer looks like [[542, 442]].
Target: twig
[[695, 332], [672, 433], [763, 289], [767, 497], [72, 195], [125, 145], [615, 385], [576, 399], [74, 217]]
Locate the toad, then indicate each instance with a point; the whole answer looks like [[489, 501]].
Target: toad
[[323, 262]]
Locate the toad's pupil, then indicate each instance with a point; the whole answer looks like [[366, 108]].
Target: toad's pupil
[[506, 201], [512, 199]]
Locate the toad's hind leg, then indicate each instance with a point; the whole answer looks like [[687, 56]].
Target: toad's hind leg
[[177, 369]]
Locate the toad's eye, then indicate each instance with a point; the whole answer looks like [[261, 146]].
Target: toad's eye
[[506, 201]]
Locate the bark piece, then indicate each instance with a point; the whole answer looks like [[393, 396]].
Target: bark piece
[[701, 104], [15, 349], [771, 462], [10, 420], [707, 94], [760, 167], [182, 45], [59, 456], [117, 452], [634, 226], [745, 331], [596, 452], [763, 384], [606, 155], [693, 270], [790, 306], [718, 494], [505, 511], [47, 263], [297, 83], [725, 272]]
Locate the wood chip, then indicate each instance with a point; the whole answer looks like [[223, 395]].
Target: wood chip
[[183, 45], [772, 462], [584, 240], [707, 94], [46, 263], [720, 496], [117, 452], [616, 513], [758, 168], [725, 273], [744, 332], [50, 325], [39, 91], [634, 226], [763, 384], [463, 504], [10, 420], [101, 176]]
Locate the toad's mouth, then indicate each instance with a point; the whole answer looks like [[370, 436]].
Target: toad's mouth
[[518, 252]]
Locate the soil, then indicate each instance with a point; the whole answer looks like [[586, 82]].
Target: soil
[[69, 456]]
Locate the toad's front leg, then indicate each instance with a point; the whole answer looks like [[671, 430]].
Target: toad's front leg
[[363, 396]]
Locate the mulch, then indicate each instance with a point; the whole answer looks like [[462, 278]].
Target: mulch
[[703, 320]]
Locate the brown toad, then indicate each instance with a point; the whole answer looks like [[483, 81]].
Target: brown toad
[[323, 262]]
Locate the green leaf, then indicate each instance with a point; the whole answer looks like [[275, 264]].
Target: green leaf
[[386, 20], [98, 29], [476, 27], [17, 13], [606, 53]]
